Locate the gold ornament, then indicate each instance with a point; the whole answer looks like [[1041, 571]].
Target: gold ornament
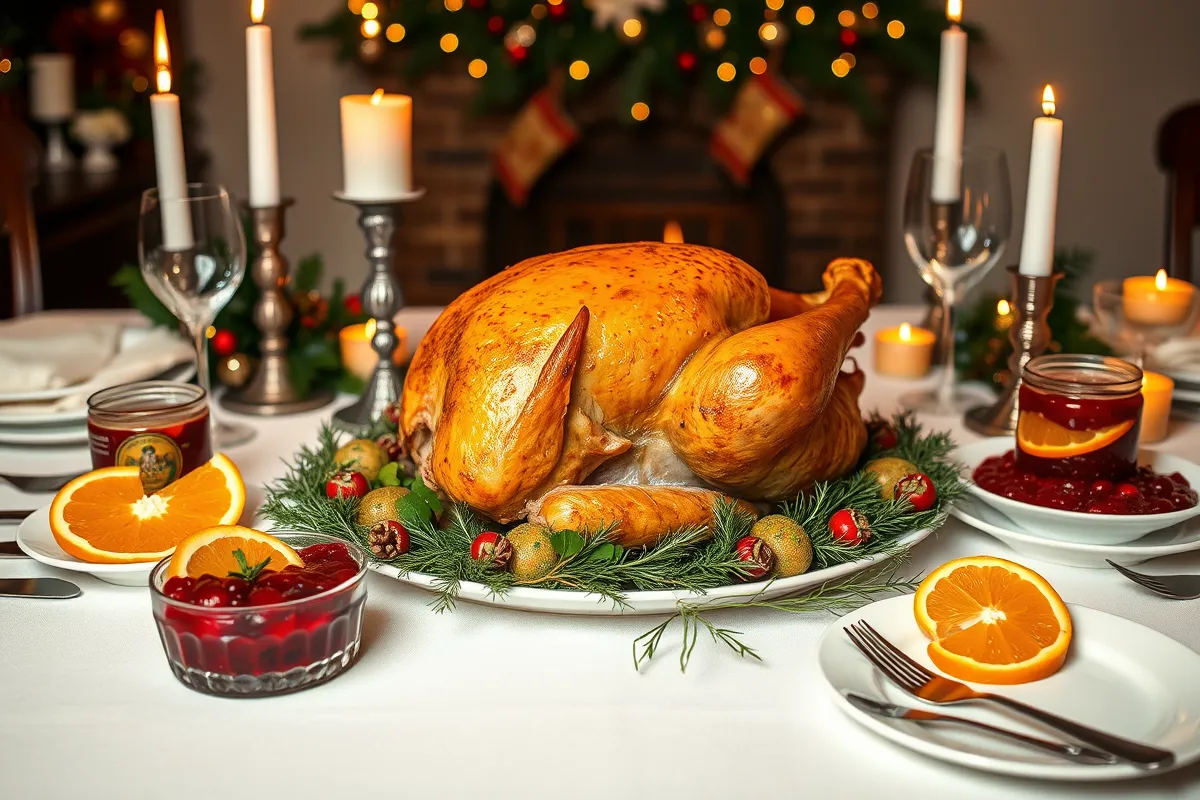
[[234, 371]]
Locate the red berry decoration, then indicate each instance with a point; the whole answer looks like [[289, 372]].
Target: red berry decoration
[[686, 61], [850, 527], [494, 547], [388, 539], [757, 554], [347, 484], [390, 446], [353, 304], [391, 413], [883, 436], [224, 343], [917, 488]]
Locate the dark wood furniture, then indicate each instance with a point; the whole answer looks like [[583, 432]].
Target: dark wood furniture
[[1179, 157]]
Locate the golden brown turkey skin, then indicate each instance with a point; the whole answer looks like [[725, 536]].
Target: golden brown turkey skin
[[541, 374]]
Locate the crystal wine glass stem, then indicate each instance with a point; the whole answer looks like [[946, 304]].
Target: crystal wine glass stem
[[946, 386]]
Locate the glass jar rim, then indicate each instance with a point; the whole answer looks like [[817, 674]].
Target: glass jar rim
[[189, 395], [1113, 376]]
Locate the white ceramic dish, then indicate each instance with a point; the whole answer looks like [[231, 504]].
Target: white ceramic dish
[[45, 462], [36, 540], [35, 435], [1075, 526], [1182, 538], [10, 420], [554, 601], [1119, 676]]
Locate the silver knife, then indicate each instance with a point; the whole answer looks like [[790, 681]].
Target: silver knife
[[1068, 750], [49, 588]]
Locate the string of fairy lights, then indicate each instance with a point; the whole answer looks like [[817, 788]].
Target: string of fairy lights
[[723, 29]]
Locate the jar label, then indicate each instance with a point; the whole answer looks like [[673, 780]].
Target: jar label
[[156, 455]]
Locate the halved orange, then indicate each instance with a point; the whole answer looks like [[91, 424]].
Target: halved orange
[[210, 552], [104, 516], [1039, 436], [992, 621]]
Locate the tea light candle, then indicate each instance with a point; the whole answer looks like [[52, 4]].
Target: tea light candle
[[1156, 301], [904, 352], [358, 357], [1156, 411], [376, 146]]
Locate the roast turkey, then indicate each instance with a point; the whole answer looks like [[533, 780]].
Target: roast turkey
[[586, 387]]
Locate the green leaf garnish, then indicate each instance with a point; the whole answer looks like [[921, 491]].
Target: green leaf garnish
[[567, 544], [245, 570], [390, 474]]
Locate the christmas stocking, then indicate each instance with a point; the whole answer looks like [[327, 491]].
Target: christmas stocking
[[762, 109], [540, 134]]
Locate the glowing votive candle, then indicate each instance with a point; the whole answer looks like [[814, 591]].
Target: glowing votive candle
[[1156, 301], [358, 357], [1156, 411], [904, 352]]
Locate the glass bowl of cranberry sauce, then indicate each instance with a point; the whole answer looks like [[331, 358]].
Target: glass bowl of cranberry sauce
[[1079, 418], [287, 630]]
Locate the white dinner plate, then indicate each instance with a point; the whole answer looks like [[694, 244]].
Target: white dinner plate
[[1119, 677], [1181, 538], [45, 462], [556, 601], [68, 433], [1078, 526], [36, 540], [10, 420]]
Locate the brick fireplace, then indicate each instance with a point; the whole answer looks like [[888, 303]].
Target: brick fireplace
[[818, 195]]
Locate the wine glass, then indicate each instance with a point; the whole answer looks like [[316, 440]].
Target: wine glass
[[193, 255], [954, 245]]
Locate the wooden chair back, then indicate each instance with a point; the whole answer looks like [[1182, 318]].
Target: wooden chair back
[[1179, 157]]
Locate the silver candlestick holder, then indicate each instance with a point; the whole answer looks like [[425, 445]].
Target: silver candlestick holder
[[1032, 299], [270, 391], [381, 299]]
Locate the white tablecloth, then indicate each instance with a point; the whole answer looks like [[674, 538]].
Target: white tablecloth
[[485, 702]]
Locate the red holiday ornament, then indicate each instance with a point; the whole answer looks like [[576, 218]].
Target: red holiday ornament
[[354, 304], [224, 343], [919, 491], [495, 25], [848, 37], [558, 11], [518, 53], [699, 12], [686, 61], [850, 527]]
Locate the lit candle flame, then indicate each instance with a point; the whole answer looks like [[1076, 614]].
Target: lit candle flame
[[905, 332], [377, 98], [1160, 280], [954, 10], [1048, 106], [162, 55], [256, 10], [672, 233], [1003, 308]]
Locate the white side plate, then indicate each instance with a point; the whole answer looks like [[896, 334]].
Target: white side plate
[[36, 540]]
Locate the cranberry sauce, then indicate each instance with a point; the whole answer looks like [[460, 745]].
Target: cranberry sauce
[[253, 628], [1144, 492], [1114, 461]]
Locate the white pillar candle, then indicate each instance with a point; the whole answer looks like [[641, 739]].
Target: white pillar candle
[[52, 87], [376, 146], [260, 112], [1041, 199], [951, 95], [169, 165]]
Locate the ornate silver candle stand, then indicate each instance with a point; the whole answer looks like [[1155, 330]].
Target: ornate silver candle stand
[[1032, 299], [270, 392], [381, 300]]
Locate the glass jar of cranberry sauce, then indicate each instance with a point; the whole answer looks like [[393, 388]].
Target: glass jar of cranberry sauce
[[158, 426], [1079, 417]]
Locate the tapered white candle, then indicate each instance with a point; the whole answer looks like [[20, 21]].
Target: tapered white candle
[[51, 87], [169, 165], [260, 112], [1041, 199], [376, 146], [948, 127]]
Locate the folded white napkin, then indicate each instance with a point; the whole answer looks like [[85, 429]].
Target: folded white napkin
[[36, 356], [1180, 354], [152, 352]]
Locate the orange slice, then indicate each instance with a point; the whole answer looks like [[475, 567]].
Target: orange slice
[[104, 516], [210, 552], [1039, 436], [992, 621]]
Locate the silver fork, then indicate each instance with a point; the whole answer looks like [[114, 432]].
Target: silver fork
[[1176, 587], [925, 685]]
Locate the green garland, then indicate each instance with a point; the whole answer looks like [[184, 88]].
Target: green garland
[[691, 559], [649, 63]]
